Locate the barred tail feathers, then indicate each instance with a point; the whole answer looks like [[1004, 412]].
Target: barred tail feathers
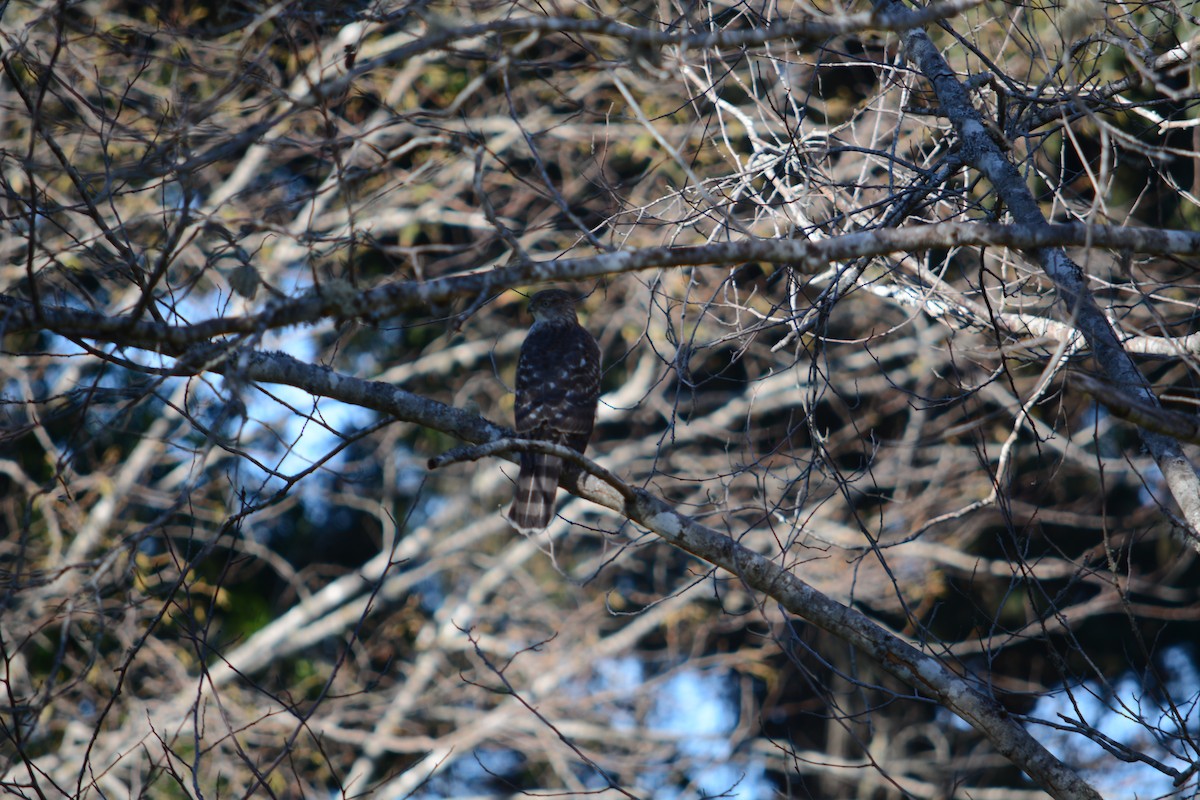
[[537, 485]]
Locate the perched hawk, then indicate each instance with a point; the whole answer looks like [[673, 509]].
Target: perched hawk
[[558, 383]]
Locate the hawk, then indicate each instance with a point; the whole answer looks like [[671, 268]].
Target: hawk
[[558, 384]]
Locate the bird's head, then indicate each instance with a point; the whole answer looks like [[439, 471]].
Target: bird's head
[[552, 304]]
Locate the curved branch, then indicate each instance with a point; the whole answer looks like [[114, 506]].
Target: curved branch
[[923, 672]]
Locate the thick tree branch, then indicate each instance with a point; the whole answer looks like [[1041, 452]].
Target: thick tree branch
[[341, 302], [920, 671], [923, 672], [979, 150]]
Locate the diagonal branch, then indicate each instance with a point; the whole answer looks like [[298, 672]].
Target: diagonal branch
[[979, 150], [921, 671]]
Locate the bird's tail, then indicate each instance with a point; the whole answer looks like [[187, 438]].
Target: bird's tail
[[537, 484]]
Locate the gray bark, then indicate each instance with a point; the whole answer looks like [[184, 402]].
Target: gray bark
[[979, 150]]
